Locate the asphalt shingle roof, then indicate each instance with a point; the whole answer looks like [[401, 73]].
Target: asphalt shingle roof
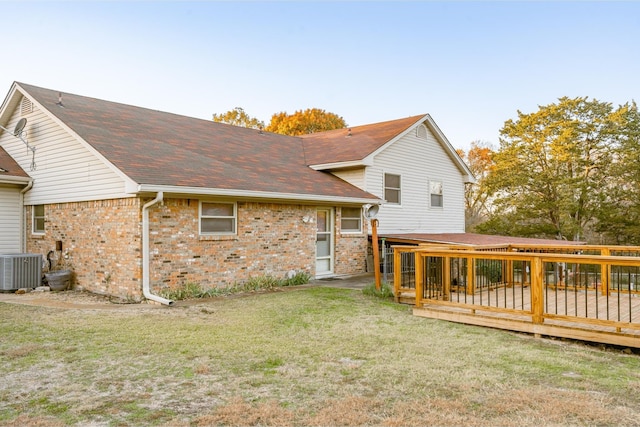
[[353, 144], [159, 148], [10, 166]]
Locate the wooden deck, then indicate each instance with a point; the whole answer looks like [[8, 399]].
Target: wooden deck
[[594, 313]]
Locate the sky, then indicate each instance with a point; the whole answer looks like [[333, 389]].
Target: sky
[[470, 65]]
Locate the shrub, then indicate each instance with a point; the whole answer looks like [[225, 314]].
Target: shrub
[[385, 290], [189, 290], [265, 282], [301, 278]]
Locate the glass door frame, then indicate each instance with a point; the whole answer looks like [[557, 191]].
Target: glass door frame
[[329, 232]]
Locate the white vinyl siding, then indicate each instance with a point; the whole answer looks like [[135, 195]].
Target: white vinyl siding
[[66, 170], [10, 209], [418, 160], [352, 176]]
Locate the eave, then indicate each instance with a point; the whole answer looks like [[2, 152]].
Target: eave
[[140, 189], [368, 161], [15, 180]]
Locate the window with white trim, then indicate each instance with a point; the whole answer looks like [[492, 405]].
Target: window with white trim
[[37, 215], [435, 189], [351, 220], [217, 218], [392, 188]]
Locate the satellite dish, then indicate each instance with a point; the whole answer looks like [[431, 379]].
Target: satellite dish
[[370, 211], [20, 126]]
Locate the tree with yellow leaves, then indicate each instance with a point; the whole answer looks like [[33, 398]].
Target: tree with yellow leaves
[[238, 117], [477, 200], [305, 122]]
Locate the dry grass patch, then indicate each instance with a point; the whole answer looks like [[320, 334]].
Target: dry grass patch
[[241, 413], [313, 356], [21, 351], [517, 408]]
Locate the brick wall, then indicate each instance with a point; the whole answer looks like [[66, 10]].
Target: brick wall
[[103, 242], [271, 239], [350, 250]]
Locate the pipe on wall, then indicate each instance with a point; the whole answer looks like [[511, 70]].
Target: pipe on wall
[[23, 216], [146, 289]]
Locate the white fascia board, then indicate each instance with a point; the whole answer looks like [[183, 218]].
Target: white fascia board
[[469, 179], [247, 194], [14, 180], [367, 161], [8, 105], [466, 172], [396, 138]]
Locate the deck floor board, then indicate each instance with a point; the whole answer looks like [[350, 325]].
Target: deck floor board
[[620, 307]]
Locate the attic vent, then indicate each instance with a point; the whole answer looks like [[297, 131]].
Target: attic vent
[[421, 132], [26, 106]]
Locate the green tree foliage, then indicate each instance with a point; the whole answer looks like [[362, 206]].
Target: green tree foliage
[[477, 199], [554, 170], [619, 218], [304, 122], [238, 117]]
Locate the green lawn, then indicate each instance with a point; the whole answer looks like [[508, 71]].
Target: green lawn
[[310, 356]]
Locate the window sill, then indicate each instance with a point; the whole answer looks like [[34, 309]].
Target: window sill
[[218, 238], [351, 234]]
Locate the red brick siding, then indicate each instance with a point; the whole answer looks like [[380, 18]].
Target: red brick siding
[[350, 249], [103, 240], [271, 239]]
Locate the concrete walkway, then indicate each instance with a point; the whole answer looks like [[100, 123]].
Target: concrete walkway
[[358, 281]]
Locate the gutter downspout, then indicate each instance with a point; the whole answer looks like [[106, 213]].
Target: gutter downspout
[[145, 252], [23, 216]]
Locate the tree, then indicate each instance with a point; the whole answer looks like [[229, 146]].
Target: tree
[[304, 122], [238, 117], [619, 218], [553, 170], [477, 202]]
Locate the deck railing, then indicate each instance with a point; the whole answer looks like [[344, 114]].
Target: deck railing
[[583, 292]]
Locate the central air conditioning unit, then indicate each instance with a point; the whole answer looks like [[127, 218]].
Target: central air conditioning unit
[[20, 271]]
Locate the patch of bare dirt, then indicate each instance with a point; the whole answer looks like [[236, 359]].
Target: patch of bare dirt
[[69, 299]]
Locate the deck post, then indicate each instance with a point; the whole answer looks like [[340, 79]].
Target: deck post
[[397, 273], [605, 269], [376, 252], [471, 279], [446, 278], [537, 302], [419, 276]]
